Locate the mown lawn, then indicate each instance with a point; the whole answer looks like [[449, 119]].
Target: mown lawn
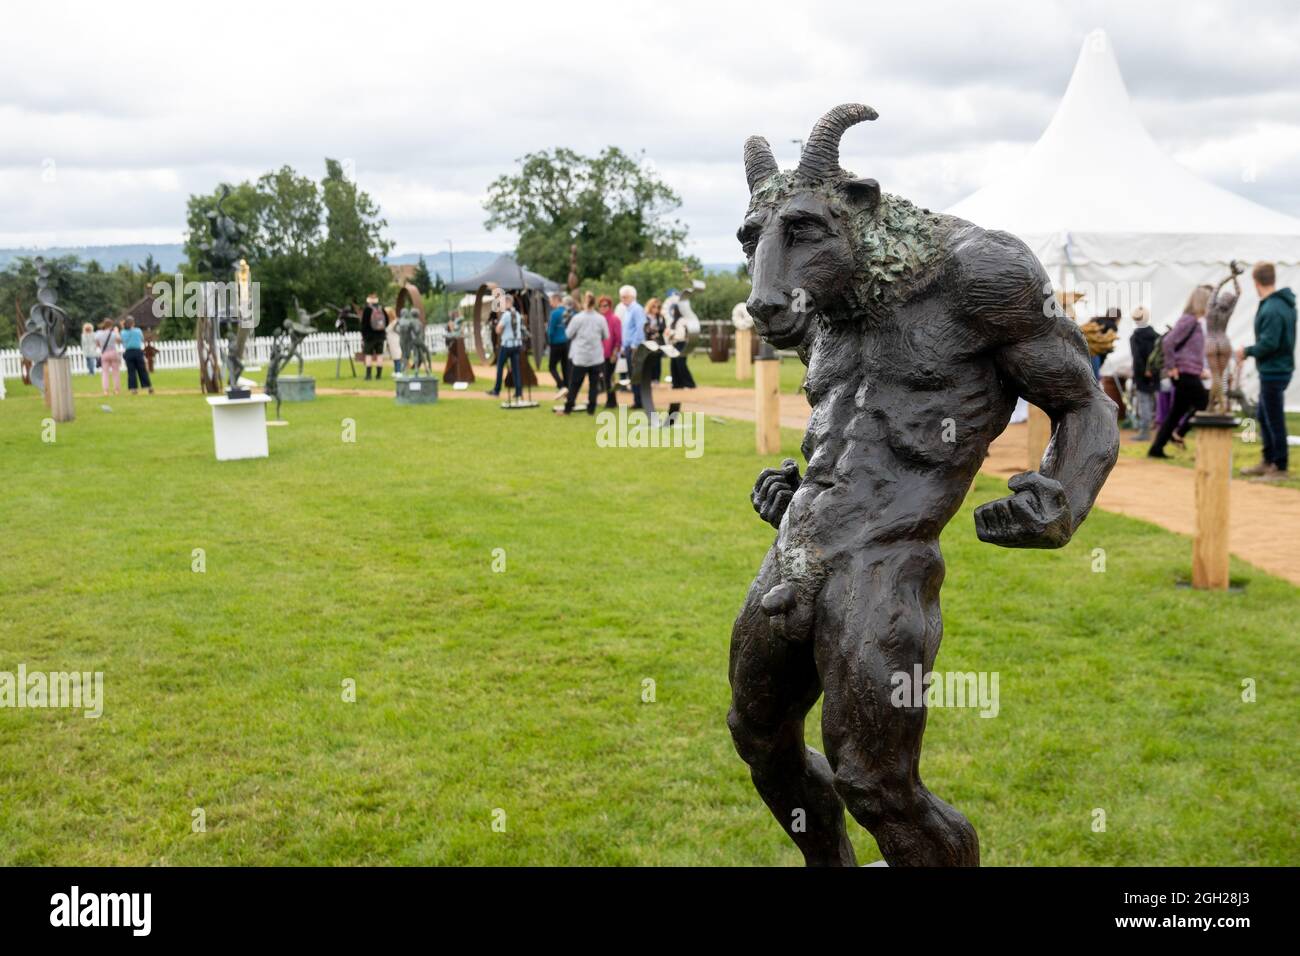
[[1246, 450], [521, 691]]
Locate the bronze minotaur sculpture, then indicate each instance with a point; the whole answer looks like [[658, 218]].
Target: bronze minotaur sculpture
[[919, 331]]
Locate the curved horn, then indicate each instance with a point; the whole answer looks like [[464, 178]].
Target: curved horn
[[759, 162], [821, 154]]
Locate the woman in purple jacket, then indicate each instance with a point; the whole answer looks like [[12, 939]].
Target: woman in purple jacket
[[1184, 359]]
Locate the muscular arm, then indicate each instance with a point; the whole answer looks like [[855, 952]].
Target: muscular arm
[[1051, 370], [1043, 355]]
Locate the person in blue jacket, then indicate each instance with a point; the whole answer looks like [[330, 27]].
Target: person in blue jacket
[[562, 309]]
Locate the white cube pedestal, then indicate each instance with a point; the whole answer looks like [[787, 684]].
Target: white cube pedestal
[[239, 426]]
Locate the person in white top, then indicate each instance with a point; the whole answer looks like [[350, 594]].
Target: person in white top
[[89, 348], [109, 341], [393, 339]]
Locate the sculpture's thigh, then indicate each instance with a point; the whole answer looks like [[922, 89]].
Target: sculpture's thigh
[[877, 617], [774, 682]]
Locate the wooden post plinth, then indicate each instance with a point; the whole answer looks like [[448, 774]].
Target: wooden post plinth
[[767, 405], [744, 354], [1040, 433], [1213, 474], [58, 389]]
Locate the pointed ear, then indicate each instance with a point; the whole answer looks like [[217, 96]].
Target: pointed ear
[[863, 192]]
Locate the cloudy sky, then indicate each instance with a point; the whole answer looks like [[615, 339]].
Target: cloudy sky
[[116, 112]]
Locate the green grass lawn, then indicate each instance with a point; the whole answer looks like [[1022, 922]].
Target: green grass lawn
[[522, 690], [1245, 453]]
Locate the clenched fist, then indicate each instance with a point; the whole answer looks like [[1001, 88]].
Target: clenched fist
[[1036, 516], [773, 491]]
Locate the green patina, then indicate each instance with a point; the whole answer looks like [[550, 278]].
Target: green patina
[[893, 243]]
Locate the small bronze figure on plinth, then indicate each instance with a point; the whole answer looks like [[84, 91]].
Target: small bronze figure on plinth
[[1218, 349]]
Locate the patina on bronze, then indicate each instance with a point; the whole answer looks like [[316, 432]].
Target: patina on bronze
[[415, 353], [919, 332], [286, 345], [1218, 348], [221, 255]]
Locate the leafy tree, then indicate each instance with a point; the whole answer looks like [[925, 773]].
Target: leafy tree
[[423, 280], [652, 278], [614, 208], [244, 205], [720, 294], [351, 256], [149, 268], [316, 243], [87, 293]]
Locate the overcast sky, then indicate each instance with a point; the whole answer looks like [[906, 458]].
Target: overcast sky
[[115, 112]]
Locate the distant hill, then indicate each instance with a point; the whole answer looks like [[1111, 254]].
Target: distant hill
[[167, 255], [468, 263], [171, 255]]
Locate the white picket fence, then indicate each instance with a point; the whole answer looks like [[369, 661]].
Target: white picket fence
[[183, 353]]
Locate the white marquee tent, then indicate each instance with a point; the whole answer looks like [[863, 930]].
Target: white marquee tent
[[1111, 216]]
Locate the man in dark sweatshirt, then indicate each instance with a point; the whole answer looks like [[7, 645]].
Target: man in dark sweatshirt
[[1140, 344], [1274, 355]]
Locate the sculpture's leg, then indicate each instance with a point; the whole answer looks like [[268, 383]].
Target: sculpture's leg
[[774, 683], [877, 618]]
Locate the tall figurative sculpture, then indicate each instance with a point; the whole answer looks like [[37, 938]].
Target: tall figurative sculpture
[[415, 353], [286, 345], [227, 303], [919, 331], [1218, 348]]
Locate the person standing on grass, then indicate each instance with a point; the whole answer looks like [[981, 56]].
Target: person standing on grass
[[655, 326], [137, 370], [510, 339], [89, 348], [1140, 344], [633, 333], [1274, 355], [585, 333], [374, 326], [109, 341], [562, 310], [613, 345], [393, 341], [1184, 356]]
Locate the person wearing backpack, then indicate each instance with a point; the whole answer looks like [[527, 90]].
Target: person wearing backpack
[[1274, 355], [1141, 345], [1183, 354]]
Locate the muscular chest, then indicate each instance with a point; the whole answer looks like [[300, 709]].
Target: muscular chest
[[906, 392]]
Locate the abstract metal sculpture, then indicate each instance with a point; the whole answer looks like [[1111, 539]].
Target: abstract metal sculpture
[[47, 328], [919, 332]]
